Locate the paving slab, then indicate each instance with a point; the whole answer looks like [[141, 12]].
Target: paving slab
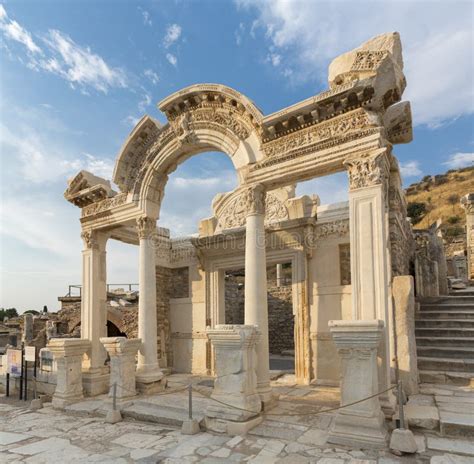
[[450, 445], [7, 438]]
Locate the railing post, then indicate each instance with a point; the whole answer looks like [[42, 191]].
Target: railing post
[[190, 389]]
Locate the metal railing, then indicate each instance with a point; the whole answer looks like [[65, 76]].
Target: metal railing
[[76, 290]]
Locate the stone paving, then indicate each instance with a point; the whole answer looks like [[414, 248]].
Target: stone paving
[[52, 436]]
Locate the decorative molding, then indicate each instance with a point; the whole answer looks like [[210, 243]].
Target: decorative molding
[[367, 60]]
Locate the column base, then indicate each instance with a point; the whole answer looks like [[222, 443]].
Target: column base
[[359, 431], [59, 402], [229, 427], [149, 382], [267, 397], [96, 382], [388, 403]]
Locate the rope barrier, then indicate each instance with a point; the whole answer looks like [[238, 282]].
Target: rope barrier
[[325, 411]]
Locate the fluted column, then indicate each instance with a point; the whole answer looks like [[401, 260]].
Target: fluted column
[[148, 369], [94, 311], [256, 304]]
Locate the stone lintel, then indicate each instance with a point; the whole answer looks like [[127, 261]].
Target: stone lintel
[[356, 333]]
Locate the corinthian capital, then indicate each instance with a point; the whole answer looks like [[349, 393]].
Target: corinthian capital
[[254, 199], [368, 170], [89, 238], [145, 226]]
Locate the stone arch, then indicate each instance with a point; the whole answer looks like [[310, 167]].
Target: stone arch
[[203, 117]]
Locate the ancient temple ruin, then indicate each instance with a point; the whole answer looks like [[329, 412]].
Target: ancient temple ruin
[[344, 257]]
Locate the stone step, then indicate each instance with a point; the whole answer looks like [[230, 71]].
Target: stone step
[[444, 332], [466, 299], [163, 414], [446, 314], [456, 416], [447, 307], [463, 379], [445, 323], [445, 341], [445, 351], [446, 364]]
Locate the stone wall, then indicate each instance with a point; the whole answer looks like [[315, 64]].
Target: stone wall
[[280, 312], [163, 292]]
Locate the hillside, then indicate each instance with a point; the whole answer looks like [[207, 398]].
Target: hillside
[[438, 197]]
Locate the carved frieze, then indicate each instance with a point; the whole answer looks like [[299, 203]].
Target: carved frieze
[[336, 127], [333, 229], [104, 205]]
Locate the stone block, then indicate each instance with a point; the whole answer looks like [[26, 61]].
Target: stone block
[[190, 427], [423, 417], [403, 441]]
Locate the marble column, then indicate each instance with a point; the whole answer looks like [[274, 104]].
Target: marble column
[[27, 328], [279, 275], [94, 311], [236, 381], [256, 304], [149, 374], [363, 424], [122, 352], [467, 202], [370, 251], [68, 354]]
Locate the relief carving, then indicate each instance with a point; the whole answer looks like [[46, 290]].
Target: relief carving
[[339, 228], [367, 171], [104, 205], [145, 227]]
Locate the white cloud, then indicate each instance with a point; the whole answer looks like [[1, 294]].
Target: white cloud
[[239, 34], [410, 169], [146, 17], [131, 120], [274, 59], [79, 65], [154, 78], [172, 59], [460, 160], [188, 198], [173, 33], [13, 31], [144, 103], [330, 189], [437, 39]]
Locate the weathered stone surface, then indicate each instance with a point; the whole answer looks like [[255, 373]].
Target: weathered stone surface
[[448, 445], [423, 417], [403, 292], [403, 440]]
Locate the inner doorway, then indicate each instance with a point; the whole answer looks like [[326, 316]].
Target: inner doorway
[[281, 334]]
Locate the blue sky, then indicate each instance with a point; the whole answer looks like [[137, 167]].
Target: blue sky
[[76, 75]]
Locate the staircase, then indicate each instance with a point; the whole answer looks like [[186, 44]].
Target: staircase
[[444, 328]]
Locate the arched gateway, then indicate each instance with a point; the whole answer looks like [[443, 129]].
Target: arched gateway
[[352, 126]]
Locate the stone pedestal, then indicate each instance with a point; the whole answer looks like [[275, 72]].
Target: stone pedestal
[[363, 424], [236, 380], [122, 352], [68, 354], [149, 375], [256, 303]]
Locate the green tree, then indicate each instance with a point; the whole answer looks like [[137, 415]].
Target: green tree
[[9, 312], [416, 211]]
